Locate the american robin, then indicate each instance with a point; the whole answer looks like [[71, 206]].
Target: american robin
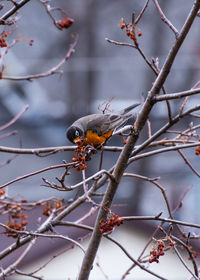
[[96, 129]]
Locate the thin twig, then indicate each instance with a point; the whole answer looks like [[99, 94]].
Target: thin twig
[[13, 266], [142, 12], [15, 118], [184, 264], [164, 18], [190, 254], [120, 43], [188, 163], [52, 71], [133, 260], [36, 173], [153, 181]]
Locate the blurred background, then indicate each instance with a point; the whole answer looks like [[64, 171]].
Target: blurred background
[[96, 72]]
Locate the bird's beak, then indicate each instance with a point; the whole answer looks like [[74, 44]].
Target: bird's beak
[[78, 140]]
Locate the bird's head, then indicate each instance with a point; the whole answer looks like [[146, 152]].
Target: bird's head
[[74, 133]]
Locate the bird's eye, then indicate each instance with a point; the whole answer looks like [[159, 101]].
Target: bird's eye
[[76, 133]]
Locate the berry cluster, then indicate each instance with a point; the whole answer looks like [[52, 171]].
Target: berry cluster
[[3, 43], [51, 205], [80, 156], [197, 151], [65, 23], [17, 220], [16, 211], [131, 29], [113, 221], [158, 250]]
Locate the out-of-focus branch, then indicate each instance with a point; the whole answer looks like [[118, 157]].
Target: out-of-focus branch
[[36, 234], [11, 268], [66, 22], [13, 10], [15, 118], [52, 71]]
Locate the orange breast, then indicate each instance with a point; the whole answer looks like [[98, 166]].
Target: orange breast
[[95, 140]]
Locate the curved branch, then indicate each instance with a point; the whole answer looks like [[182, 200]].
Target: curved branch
[[52, 71], [164, 18]]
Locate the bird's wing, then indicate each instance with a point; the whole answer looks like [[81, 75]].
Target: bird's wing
[[105, 123]]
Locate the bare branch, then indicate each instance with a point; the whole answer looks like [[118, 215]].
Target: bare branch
[[15, 118], [124, 156], [120, 43], [52, 71], [164, 129], [13, 10], [153, 181], [189, 164], [50, 150], [158, 218], [185, 265], [190, 254], [164, 18], [133, 260], [13, 266], [174, 148], [177, 95], [36, 173], [142, 12]]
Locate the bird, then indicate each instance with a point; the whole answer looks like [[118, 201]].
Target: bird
[[96, 129]]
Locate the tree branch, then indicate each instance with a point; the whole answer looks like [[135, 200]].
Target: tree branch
[[124, 156], [12, 11], [52, 71], [176, 95], [164, 18]]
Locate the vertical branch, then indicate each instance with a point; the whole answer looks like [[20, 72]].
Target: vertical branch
[[124, 156]]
